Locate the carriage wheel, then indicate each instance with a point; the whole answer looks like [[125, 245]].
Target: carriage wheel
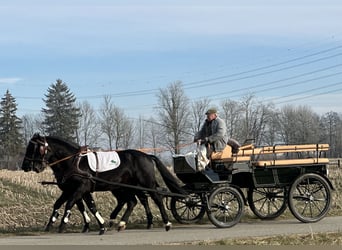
[[267, 203], [187, 210], [225, 207], [310, 198]]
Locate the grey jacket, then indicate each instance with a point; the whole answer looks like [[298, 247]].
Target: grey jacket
[[215, 132]]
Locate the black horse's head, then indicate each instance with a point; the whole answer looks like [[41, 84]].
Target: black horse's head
[[35, 156]]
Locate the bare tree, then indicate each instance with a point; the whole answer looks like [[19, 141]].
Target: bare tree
[[308, 125], [231, 114], [299, 125], [115, 125], [331, 132], [174, 115], [272, 130], [197, 114], [31, 124], [288, 125], [125, 131], [154, 135], [88, 132], [106, 120], [255, 118]]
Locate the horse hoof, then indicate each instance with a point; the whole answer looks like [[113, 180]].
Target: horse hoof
[[86, 229], [122, 226], [102, 231], [61, 228], [168, 226], [111, 223]]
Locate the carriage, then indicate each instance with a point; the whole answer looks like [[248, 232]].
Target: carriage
[[267, 179]]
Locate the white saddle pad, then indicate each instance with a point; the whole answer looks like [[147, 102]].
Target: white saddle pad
[[105, 161]]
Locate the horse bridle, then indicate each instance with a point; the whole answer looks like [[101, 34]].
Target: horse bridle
[[43, 149]]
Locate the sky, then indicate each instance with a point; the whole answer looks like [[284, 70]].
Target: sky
[[284, 52]]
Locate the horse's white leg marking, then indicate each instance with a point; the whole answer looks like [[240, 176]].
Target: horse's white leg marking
[[122, 224], [98, 216], [54, 216], [66, 218], [86, 217]]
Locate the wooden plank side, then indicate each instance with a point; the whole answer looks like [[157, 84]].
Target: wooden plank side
[[291, 162], [284, 149]]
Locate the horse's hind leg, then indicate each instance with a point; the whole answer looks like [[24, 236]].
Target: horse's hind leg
[[131, 203], [158, 199], [59, 202], [144, 201], [85, 216], [88, 198], [120, 203]]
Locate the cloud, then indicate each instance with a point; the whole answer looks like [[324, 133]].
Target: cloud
[[10, 80]]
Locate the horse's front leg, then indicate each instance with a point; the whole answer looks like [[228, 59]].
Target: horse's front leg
[[88, 198], [59, 202], [72, 198], [66, 216]]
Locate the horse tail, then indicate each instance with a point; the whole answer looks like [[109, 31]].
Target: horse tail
[[170, 180]]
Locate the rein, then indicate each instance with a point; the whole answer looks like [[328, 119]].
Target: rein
[[61, 160]]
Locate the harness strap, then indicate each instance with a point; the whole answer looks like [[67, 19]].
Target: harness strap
[[61, 160], [139, 188]]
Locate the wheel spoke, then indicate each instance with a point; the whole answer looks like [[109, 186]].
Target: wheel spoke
[[309, 198], [267, 203]]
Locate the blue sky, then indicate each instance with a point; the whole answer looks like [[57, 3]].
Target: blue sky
[[287, 52]]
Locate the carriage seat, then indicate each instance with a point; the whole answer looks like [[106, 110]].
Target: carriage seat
[[227, 156], [226, 153]]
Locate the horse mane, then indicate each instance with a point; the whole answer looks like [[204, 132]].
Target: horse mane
[[60, 139]]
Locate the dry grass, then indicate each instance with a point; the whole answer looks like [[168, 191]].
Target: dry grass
[[25, 206]]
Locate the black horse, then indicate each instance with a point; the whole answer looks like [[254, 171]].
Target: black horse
[[77, 180], [121, 198]]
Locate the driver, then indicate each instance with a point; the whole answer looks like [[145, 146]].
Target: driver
[[213, 133]]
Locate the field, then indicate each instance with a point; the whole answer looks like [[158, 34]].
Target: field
[[26, 206]]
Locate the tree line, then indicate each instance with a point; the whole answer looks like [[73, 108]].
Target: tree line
[[174, 124]]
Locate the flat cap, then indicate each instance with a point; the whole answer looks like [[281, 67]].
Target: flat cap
[[211, 111]]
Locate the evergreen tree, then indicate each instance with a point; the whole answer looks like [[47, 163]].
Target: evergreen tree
[[61, 115], [10, 136]]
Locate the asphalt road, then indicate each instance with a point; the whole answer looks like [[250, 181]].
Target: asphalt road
[[180, 234]]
